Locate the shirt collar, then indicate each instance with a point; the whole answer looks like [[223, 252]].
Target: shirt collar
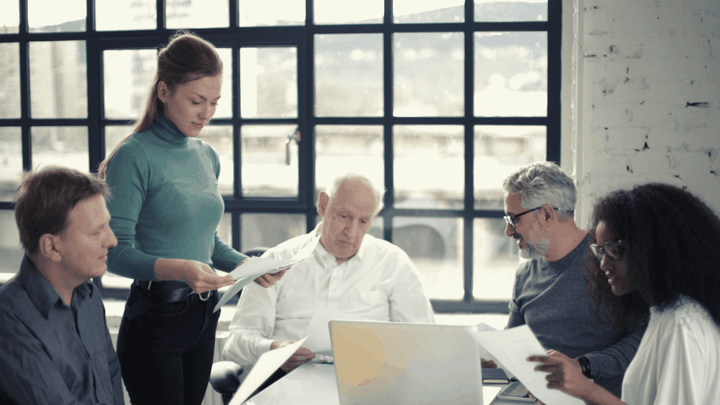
[[41, 292], [169, 133], [321, 252]]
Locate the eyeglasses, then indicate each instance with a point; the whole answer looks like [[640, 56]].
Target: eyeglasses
[[614, 249], [512, 219]]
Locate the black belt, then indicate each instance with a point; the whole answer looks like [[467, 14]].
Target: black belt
[[157, 295]]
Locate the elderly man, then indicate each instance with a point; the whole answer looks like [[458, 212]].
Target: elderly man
[[550, 292], [55, 346], [349, 271]]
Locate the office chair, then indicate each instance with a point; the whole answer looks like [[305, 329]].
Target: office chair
[[225, 375]]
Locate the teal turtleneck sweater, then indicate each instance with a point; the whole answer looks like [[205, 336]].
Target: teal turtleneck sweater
[[165, 203]]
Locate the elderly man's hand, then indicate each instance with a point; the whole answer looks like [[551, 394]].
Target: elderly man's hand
[[267, 279], [565, 374], [301, 355]]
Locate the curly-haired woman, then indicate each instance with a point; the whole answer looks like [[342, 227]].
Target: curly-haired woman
[[654, 252]]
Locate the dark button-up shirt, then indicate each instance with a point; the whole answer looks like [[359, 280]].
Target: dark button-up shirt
[[51, 353]]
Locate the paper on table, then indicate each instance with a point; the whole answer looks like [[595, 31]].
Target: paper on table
[[318, 332], [266, 365], [512, 347]]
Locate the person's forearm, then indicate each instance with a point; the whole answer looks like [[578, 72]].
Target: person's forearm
[[168, 269], [598, 395]]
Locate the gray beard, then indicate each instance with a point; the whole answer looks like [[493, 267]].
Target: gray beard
[[535, 250]]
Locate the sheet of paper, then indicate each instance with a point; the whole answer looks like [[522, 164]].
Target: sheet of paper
[[512, 347], [483, 327], [257, 266], [266, 365], [232, 291], [318, 332]]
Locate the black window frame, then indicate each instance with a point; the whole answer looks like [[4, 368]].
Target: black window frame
[[302, 37]]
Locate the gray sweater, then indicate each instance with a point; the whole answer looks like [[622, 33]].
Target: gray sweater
[[552, 299]]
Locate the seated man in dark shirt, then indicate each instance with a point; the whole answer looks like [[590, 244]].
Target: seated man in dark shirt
[[55, 346]]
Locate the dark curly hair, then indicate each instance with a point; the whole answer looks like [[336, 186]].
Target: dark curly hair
[[671, 238]]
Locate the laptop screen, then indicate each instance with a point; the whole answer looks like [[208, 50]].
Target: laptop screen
[[403, 363]]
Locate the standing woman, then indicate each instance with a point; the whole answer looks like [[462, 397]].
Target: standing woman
[[654, 250], [165, 212]]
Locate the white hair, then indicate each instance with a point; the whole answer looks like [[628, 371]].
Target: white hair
[[543, 183], [354, 177]]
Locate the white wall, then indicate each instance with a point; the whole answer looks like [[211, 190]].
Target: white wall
[[636, 67]]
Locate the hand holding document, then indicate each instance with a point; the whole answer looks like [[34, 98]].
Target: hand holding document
[[512, 347], [255, 267], [266, 365]]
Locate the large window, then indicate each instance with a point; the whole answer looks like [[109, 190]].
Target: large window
[[437, 100]]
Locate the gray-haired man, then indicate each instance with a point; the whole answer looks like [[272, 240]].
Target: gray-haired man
[[550, 292]]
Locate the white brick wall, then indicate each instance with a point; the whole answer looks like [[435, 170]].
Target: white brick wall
[[637, 66]]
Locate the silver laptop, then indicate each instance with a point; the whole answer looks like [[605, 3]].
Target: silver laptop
[[405, 363]]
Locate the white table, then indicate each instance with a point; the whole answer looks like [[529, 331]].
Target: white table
[[315, 384]]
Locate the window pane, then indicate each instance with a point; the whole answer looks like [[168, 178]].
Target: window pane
[[428, 11], [511, 74], [428, 164], [128, 76], [114, 134], [57, 16], [225, 105], [268, 230], [271, 12], [499, 151], [60, 146], [348, 11], [265, 170], [125, 15], [349, 75], [435, 247], [428, 74], [268, 82], [511, 10], [10, 80], [11, 251], [10, 16], [11, 165], [344, 148], [220, 137], [495, 260], [58, 79], [197, 13]]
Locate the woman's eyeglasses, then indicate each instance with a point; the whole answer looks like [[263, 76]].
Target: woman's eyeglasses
[[614, 250]]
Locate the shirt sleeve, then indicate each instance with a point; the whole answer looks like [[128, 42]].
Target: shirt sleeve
[[681, 373], [38, 381], [114, 367], [516, 317], [615, 359], [253, 323], [408, 302], [128, 175]]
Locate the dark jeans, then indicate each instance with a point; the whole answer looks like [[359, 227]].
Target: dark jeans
[[166, 353]]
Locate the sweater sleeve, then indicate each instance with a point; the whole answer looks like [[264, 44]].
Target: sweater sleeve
[[128, 175], [613, 360]]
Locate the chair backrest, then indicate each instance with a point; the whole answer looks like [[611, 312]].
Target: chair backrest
[[258, 251]]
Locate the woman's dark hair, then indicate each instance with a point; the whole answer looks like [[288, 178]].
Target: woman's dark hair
[[671, 238], [186, 57]]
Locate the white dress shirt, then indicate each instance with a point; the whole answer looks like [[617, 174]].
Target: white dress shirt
[[379, 283]]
